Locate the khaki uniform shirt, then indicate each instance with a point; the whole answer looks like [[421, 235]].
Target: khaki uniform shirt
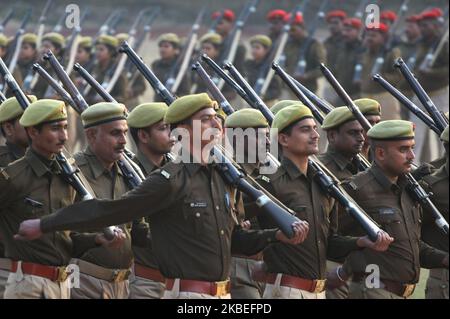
[[400, 216], [32, 188], [191, 220], [108, 185], [304, 196]]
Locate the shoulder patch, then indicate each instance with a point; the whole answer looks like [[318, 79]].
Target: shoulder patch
[[79, 159], [265, 178], [5, 175], [165, 173]]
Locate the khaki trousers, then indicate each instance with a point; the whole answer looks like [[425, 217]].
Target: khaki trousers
[[175, 293], [242, 284], [94, 288], [276, 291], [142, 288], [22, 286], [3, 279]]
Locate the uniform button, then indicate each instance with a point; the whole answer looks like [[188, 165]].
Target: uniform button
[[217, 207], [197, 215], [318, 241], [222, 232]]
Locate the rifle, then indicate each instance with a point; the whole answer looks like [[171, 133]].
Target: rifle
[[59, 24], [6, 19], [41, 22], [69, 173], [414, 188], [440, 121], [229, 172], [257, 102], [407, 103], [379, 61], [132, 73], [180, 66], [322, 176], [115, 22], [93, 83], [433, 53], [72, 44], [301, 63], [323, 105], [266, 74], [17, 41], [362, 162], [110, 83], [215, 22], [213, 89], [105, 26], [230, 47], [2, 97], [359, 13], [55, 86], [133, 176]]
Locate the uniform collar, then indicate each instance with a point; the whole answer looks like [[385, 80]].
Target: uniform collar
[[96, 166], [15, 150], [291, 169], [41, 165], [147, 164], [381, 178], [341, 161]]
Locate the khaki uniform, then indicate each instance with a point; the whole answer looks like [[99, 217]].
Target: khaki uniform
[[333, 46], [315, 55], [192, 224], [399, 215], [8, 154], [437, 184], [435, 83], [101, 267], [370, 89], [118, 92], [343, 169], [306, 261], [344, 69], [32, 187], [162, 70], [252, 72], [141, 287], [243, 286], [26, 72], [135, 90]]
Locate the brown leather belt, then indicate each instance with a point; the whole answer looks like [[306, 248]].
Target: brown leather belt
[[149, 273], [311, 285], [395, 287], [52, 273], [102, 273], [218, 289], [5, 264], [257, 257]]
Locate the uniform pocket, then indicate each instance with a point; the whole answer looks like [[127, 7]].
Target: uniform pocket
[[391, 221], [194, 213]]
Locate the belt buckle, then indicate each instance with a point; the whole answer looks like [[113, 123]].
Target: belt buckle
[[222, 288], [62, 274], [408, 290], [120, 275], [319, 285]]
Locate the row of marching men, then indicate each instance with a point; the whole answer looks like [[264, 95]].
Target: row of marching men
[[352, 50], [205, 241]]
